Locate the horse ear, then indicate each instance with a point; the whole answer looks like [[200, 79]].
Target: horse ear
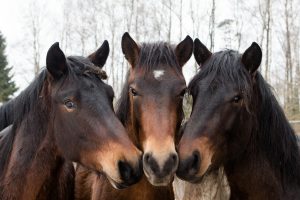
[[130, 49], [184, 50], [56, 61], [99, 57], [252, 57], [201, 53]]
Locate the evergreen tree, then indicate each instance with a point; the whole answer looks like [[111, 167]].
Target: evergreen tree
[[7, 85]]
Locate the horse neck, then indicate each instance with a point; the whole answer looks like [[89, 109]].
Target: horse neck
[[33, 156]]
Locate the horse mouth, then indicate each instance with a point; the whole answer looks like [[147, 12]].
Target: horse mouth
[[196, 178], [116, 184], [159, 181], [211, 168]]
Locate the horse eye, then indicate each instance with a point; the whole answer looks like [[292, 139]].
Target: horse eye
[[133, 92], [69, 104], [237, 99]]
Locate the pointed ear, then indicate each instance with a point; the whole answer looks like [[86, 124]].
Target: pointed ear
[[252, 57], [184, 50], [56, 61], [99, 57], [201, 53], [130, 49]]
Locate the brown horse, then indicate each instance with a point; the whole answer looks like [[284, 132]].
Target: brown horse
[[236, 122], [150, 108], [65, 115]]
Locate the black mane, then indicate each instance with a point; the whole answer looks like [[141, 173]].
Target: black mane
[[276, 136], [273, 136], [17, 109], [152, 56]]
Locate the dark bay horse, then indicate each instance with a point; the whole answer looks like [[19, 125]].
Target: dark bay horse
[[150, 108], [236, 122], [64, 115]]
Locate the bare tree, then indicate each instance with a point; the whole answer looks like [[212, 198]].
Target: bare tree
[[137, 20], [226, 26], [238, 18], [170, 5], [268, 38], [180, 20], [262, 13], [291, 36], [212, 24], [66, 33], [34, 19]]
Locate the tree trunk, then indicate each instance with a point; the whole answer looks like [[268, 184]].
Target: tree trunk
[[212, 26], [268, 39]]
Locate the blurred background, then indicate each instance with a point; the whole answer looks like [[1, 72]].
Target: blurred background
[[29, 27]]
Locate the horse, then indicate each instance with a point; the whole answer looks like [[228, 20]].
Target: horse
[[236, 122], [150, 108], [65, 115]]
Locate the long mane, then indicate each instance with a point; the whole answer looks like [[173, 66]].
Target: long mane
[[18, 108], [276, 136]]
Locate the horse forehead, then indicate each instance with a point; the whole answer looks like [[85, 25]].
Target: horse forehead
[[81, 84], [162, 84], [158, 74]]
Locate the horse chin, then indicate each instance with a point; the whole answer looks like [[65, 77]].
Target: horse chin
[[157, 181], [116, 184], [198, 179]]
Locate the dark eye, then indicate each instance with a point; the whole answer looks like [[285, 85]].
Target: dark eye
[[237, 99], [133, 92], [69, 104], [182, 93]]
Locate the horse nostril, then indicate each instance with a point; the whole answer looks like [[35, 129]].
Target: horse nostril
[[174, 158], [147, 157], [149, 161], [195, 161], [171, 164], [126, 171], [129, 174], [190, 166]]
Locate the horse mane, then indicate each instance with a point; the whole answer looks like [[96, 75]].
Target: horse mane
[[16, 110], [19, 107], [151, 57], [274, 137]]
